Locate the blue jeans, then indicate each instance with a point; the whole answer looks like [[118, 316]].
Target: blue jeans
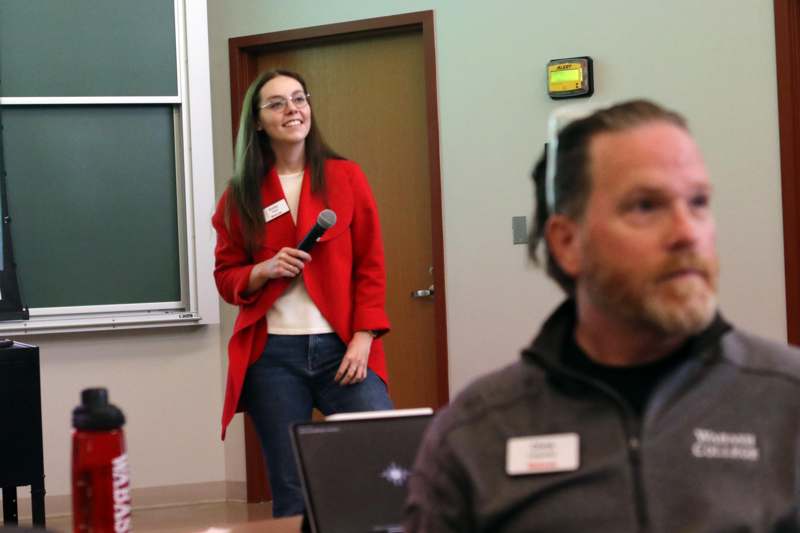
[[293, 375]]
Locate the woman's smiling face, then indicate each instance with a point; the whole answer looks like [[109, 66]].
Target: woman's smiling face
[[289, 125]]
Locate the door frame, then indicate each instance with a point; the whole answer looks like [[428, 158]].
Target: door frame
[[243, 53], [787, 57]]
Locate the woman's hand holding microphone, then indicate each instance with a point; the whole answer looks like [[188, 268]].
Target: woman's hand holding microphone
[[287, 263]]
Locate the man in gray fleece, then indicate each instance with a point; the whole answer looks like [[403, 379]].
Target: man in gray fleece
[[637, 408]]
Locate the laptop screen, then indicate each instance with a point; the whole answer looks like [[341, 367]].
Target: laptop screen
[[354, 472]]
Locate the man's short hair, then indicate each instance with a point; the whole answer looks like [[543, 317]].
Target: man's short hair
[[572, 182]]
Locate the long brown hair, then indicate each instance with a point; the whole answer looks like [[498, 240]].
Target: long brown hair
[[254, 158]]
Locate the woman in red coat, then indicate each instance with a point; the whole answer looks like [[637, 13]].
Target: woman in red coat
[[308, 328]]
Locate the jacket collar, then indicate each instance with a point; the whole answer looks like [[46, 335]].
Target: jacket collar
[[271, 189], [548, 345], [280, 231], [283, 231], [309, 208]]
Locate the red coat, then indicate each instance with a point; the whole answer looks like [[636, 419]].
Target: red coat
[[346, 278]]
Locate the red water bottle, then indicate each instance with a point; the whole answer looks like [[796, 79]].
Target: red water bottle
[[101, 500]]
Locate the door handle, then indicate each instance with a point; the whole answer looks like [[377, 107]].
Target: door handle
[[423, 293]]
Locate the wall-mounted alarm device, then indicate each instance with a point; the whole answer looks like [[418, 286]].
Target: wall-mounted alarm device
[[570, 77]]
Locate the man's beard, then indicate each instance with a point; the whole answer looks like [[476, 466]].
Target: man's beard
[[670, 307]]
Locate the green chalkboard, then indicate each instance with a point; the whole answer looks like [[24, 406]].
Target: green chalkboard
[[93, 199], [88, 48], [11, 305]]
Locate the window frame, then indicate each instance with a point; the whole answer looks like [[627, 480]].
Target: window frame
[[191, 109]]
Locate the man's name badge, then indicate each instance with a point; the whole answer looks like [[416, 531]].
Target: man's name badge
[[275, 210], [542, 454]]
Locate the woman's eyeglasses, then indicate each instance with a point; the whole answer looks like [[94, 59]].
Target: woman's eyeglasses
[[278, 104]]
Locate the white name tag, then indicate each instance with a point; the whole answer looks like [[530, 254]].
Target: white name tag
[[542, 454], [275, 210]]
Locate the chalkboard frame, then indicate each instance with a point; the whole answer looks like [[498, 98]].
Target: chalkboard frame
[[195, 191]]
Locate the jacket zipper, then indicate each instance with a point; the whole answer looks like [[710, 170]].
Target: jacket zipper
[[635, 458], [633, 445], [633, 432]]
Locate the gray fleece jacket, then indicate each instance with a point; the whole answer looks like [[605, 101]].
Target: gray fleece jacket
[[717, 448]]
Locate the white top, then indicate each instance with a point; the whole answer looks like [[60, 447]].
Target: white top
[[294, 313]]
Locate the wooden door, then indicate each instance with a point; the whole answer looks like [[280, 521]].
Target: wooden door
[[371, 95], [787, 56]]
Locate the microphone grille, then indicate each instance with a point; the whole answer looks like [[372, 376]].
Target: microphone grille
[[326, 218]]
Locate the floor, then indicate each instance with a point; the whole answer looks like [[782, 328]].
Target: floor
[[184, 519]]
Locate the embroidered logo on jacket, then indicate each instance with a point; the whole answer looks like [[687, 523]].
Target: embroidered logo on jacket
[[721, 445]]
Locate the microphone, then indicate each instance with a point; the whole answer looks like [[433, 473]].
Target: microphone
[[325, 220]]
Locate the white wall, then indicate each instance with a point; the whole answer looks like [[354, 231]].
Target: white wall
[[166, 381], [711, 60]]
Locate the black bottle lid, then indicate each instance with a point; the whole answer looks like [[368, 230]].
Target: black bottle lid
[[95, 413]]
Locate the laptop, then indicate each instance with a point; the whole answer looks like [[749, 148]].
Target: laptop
[[354, 468]]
